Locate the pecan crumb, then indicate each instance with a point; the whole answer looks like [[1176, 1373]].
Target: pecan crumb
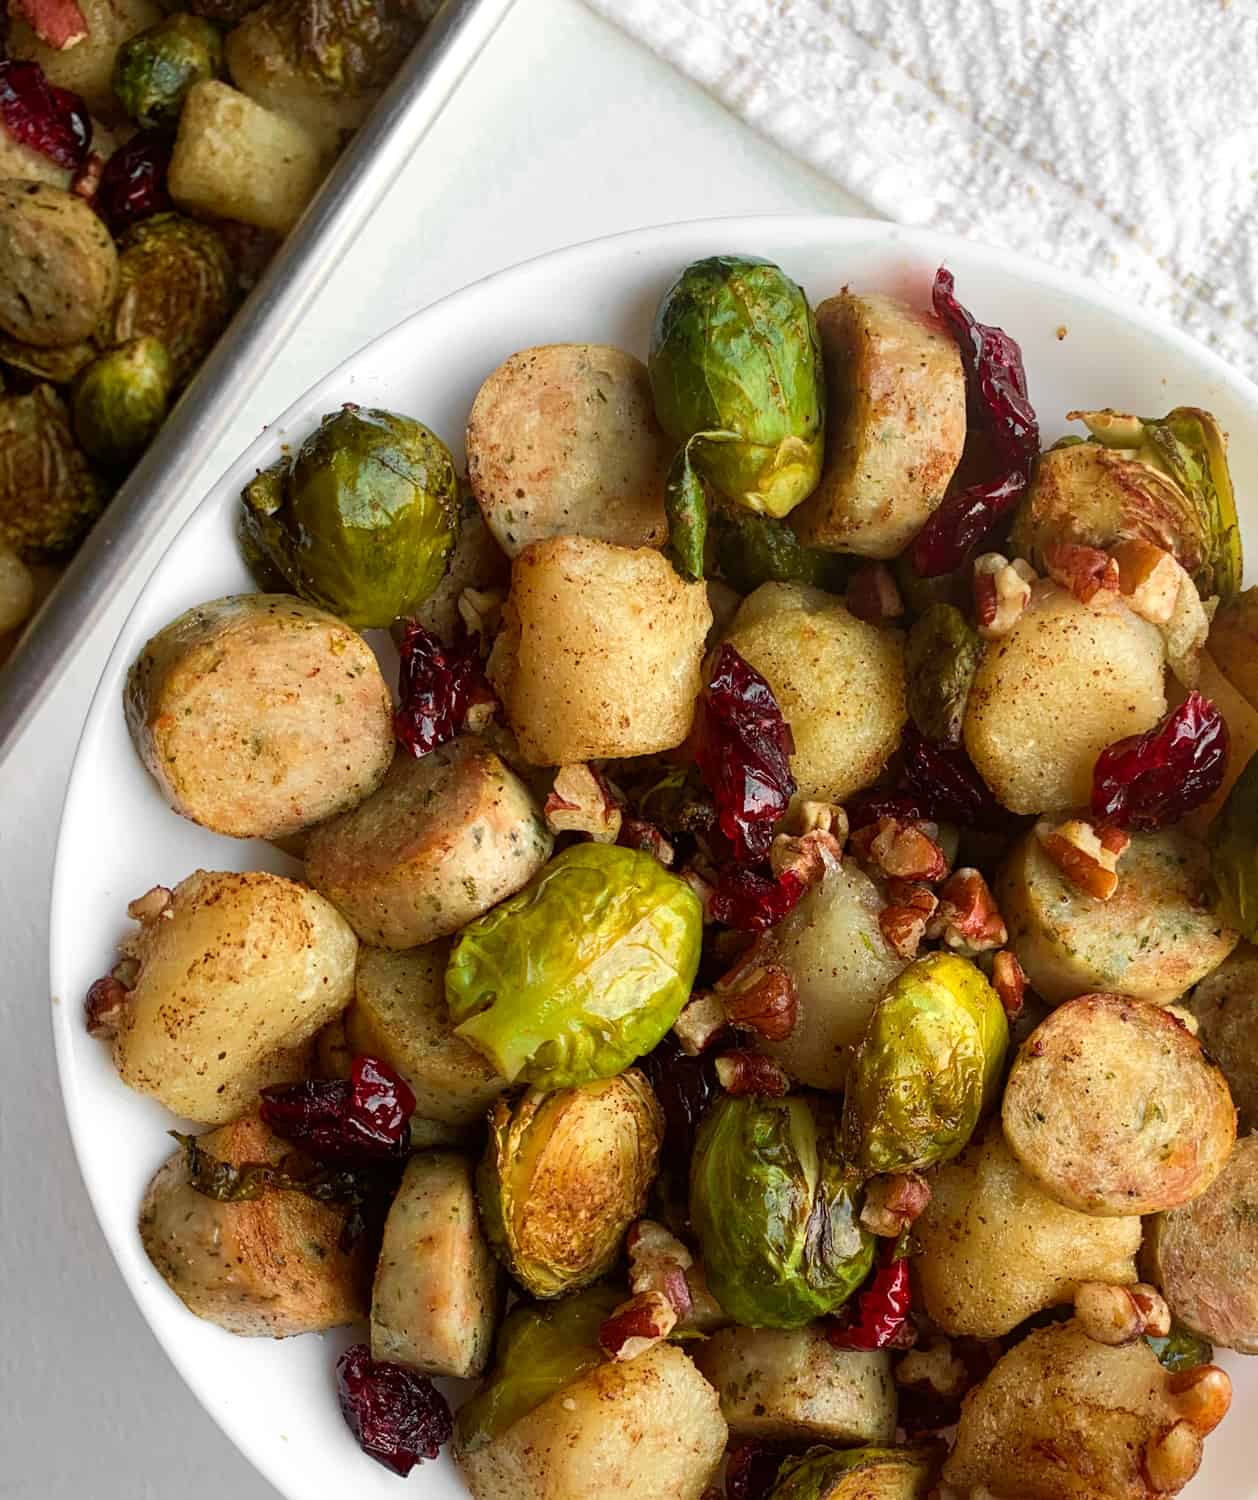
[[893, 1202], [1085, 571], [760, 997], [906, 850], [702, 1020], [968, 919], [872, 594], [1010, 982], [1002, 590], [582, 802], [638, 833], [637, 1325], [106, 1000], [154, 903], [1149, 578], [1085, 857], [910, 906], [741, 1072]]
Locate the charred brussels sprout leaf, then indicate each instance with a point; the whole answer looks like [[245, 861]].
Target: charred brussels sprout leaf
[[596, 1146], [176, 284], [1181, 1349], [776, 1211], [48, 494], [348, 45], [154, 70], [752, 550], [540, 1351], [928, 1065], [1164, 480], [1233, 840], [858, 1474], [362, 520], [736, 377], [942, 655], [686, 507], [120, 401], [579, 973]]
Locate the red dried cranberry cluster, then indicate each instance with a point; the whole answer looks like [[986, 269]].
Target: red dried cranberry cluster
[[397, 1415], [352, 1121], [882, 1311], [1149, 780], [438, 685], [36, 113], [133, 181]]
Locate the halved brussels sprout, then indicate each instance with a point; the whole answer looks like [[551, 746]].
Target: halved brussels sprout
[[564, 1175], [1233, 840], [858, 1474], [540, 1350], [48, 494], [776, 1210], [362, 519], [1161, 479], [941, 656], [154, 69], [582, 971], [120, 401], [737, 380], [930, 1062], [752, 550], [176, 284]]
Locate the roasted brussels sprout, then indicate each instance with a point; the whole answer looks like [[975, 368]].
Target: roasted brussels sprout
[[929, 1064], [1233, 840], [736, 375], [858, 1474], [48, 494], [564, 1175], [362, 520], [776, 1210], [176, 284], [120, 401], [1161, 479], [941, 657], [540, 1350], [58, 366], [1181, 1349], [156, 68], [582, 971], [752, 550]]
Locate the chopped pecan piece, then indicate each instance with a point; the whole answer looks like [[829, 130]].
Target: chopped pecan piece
[[936, 1366], [1002, 590], [760, 997], [901, 848], [60, 24], [872, 594], [1009, 981], [106, 1000], [637, 1325], [658, 1262], [741, 1072], [1120, 1314], [968, 919], [637, 833], [154, 903], [1149, 578], [1085, 571], [807, 855], [819, 817], [582, 802], [86, 180], [893, 1202], [1084, 857], [700, 1023], [910, 906]]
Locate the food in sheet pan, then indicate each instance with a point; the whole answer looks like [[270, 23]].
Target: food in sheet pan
[[769, 1004], [151, 161]]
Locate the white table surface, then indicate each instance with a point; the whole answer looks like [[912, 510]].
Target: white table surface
[[564, 130]]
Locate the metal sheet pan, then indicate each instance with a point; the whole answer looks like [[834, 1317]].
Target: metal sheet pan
[[379, 150]]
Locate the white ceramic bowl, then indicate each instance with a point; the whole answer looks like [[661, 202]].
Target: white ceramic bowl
[[276, 1400]]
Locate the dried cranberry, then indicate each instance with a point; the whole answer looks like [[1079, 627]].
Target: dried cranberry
[[36, 113], [961, 521], [882, 1311], [943, 779], [751, 1470], [742, 744], [133, 184], [750, 902], [398, 1416], [438, 684], [354, 1120], [865, 808], [685, 1086], [1149, 780]]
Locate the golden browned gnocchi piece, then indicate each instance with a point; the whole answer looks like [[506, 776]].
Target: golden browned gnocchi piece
[[599, 651], [1113, 1108], [994, 1248], [840, 683], [234, 974], [1063, 1418], [400, 1014], [563, 441], [1225, 1005], [266, 1267], [1153, 939], [895, 413], [1068, 680], [259, 714], [441, 840], [1204, 1254]]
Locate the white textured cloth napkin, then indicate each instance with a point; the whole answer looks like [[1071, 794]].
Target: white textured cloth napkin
[[1117, 138]]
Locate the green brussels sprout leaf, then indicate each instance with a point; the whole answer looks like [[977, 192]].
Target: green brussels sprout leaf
[[859, 1474], [579, 973], [686, 506], [1233, 840], [776, 1211], [927, 1067], [540, 1351], [1181, 1349], [752, 550], [735, 361], [941, 657], [120, 400]]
